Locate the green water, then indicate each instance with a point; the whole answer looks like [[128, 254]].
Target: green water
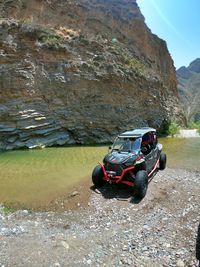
[[35, 177], [182, 153]]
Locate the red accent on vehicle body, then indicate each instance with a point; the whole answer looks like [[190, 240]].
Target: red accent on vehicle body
[[117, 179], [155, 167], [139, 158]]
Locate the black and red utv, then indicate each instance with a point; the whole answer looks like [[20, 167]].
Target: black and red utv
[[133, 158]]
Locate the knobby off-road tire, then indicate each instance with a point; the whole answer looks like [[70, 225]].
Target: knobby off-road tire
[[141, 184], [198, 244], [162, 161], [97, 176]]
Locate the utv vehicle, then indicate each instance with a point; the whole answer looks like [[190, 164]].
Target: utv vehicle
[[133, 159]]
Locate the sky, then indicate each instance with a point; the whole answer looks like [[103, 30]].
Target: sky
[[178, 23]]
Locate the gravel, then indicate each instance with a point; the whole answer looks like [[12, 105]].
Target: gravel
[[112, 230]]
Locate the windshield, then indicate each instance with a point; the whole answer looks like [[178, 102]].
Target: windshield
[[127, 144]]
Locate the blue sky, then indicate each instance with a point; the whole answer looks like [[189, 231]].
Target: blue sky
[[178, 23]]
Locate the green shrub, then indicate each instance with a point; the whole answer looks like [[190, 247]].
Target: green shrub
[[8, 209], [198, 127], [52, 41], [173, 129], [134, 63], [194, 125], [163, 131]]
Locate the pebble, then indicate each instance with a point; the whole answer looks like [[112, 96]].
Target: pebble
[[180, 263], [65, 245], [25, 212], [75, 193], [89, 262]]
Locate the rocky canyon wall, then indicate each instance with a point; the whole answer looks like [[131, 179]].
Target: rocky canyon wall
[[80, 72]]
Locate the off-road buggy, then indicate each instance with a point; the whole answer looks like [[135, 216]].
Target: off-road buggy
[[132, 160]]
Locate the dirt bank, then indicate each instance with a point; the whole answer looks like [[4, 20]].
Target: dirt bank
[[111, 230]]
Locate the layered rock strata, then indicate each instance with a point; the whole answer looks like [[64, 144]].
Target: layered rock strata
[[80, 72]]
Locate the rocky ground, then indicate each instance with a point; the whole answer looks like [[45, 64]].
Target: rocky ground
[[112, 229]]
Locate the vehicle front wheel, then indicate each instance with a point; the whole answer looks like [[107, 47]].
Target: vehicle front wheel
[[141, 184], [97, 176], [162, 161]]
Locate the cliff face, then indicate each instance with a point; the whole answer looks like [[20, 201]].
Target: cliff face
[[80, 72], [189, 89]]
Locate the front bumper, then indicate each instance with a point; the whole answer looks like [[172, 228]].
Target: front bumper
[[111, 177]]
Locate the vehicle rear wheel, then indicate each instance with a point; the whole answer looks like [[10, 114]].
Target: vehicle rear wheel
[[97, 176], [141, 184], [162, 161]]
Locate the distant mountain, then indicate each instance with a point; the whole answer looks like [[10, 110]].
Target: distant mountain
[[189, 89]]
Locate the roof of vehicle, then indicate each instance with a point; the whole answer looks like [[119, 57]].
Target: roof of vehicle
[[139, 132]]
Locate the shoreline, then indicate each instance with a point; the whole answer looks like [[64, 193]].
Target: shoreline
[[188, 133]]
